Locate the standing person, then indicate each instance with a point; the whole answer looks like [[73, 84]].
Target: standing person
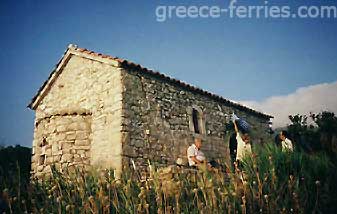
[[194, 155], [244, 147], [233, 145], [286, 143]]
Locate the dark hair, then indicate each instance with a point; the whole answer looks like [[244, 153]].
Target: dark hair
[[214, 164], [285, 133]]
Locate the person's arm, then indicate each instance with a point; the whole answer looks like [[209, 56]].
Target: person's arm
[[236, 127], [196, 160], [191, 154]]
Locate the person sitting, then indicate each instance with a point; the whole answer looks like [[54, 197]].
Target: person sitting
[[201, 156], [286, 143], [194, 155]]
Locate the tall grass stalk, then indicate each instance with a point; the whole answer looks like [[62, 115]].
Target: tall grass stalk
[[271, 181]]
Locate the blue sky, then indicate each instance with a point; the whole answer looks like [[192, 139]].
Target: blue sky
[[241, 59]]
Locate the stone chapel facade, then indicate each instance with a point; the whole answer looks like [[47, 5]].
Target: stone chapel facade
[[98, 110]]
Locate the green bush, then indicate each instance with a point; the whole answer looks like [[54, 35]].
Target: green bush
[[291, 180]]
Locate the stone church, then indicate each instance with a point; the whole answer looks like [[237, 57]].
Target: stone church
[[98, 110]]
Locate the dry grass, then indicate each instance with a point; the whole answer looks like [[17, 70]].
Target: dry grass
[[270, 182]]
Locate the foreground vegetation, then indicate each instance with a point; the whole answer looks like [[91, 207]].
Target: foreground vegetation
[[270, 182]]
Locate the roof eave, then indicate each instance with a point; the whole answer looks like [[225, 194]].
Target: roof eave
[[132, 66], [117, 62]]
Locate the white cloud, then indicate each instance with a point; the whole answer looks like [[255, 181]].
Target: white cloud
[[314, 98]]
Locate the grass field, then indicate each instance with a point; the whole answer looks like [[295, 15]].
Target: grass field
[[270, 182]]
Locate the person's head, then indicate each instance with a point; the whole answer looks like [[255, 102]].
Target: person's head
[[197, 142], [246, 138], [213, 164], [283, 135]]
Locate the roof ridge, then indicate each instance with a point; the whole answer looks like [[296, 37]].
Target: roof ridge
[[127, 64]]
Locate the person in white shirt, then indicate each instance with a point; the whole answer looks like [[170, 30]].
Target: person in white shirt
[[194, 155], [244, 147], [286, 144]]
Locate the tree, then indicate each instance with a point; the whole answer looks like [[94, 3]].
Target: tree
[[301, 134], [327, 127], [320, 135]]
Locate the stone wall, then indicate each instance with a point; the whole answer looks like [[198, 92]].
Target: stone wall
[[96, 113], [158, 122], [84, 87], [63, 141]]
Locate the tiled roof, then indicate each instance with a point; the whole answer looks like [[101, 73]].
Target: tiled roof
[[126, 64]]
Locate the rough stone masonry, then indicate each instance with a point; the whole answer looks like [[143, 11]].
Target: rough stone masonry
[[103, 111]]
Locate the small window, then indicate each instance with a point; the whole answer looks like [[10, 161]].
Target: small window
[[44, 142], [195, 118], [42, 156], [42, 159]]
